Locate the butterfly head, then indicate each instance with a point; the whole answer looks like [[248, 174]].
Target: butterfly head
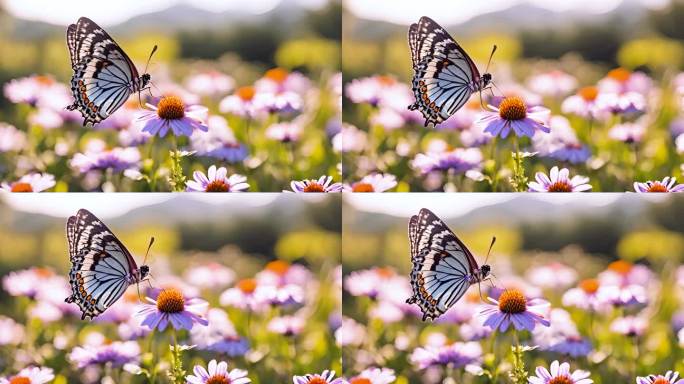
[[486, 79], [484, 271], [144, 272], [145, 78]]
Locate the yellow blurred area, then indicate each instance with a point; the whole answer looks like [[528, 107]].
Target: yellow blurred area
[[362, 250], [312, 54], [313, 245], [655, 53], [52, 56], [655, 245], [361, 58]]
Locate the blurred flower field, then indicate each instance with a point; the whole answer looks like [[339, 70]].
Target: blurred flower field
[[609, 133], [249, 109], [610, 319], [230, 315]]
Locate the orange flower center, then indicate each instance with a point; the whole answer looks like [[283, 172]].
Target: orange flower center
[[588, 93], [218, 379], [217, 186], [20, 380], [278, 267], [247, 285], [657, 187], [170, 300], [314, 187], [362, 187], [384, 272], [619, 74], [512, 108], [386, 80], [317, 380], [560, 186], [246, 93], [562, 379], [622, 267], [278, 75], [43, 272], [21, 187], [661, 380], [512, 301], [171, 108], [360, 380], [589, 285], [44, 80]]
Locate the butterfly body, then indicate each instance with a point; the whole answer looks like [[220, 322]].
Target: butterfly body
[[444, 75], [102, 268], [443, 267], [104, 76]]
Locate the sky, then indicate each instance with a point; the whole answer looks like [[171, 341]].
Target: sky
[[108, 205], [458, 11], [452, 205], [114, 12]]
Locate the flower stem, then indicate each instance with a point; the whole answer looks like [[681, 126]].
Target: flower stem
[[177, 373], [519, 180], [177, 178], [518, 374]]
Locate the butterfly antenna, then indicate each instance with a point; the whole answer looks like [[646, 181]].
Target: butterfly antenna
[[150, 58], [491, 245], [148, 249], [490, 58]]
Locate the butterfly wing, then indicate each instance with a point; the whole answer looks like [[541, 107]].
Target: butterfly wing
[[444, 75], [442, 265], [101, 265], [104, 76]]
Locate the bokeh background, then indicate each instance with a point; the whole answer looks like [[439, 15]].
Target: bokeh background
[[236, 238], [582, 39], [208, 51], [545, 246]]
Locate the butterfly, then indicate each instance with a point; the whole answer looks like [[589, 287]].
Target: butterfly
[[444, 75], [104, 76], [443, 267], [102, 268]]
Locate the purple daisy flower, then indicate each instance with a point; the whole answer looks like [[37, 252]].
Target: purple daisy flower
[[513, 113], [573, 346], [287, 325], [560, 373], [629, 325], [375, 376], [322, 185], [30, 375], [456, 355], [216, 181], [573, 153], [375, 182], [33, 182], [326, 377], [285, 132], [217, 373], [459, 160], [667, 185], [11, 139], [558, 181], [170, 306], [116, 354], [669, 378], [98, 157], [171, 113], [514, 308], [219, 142], [628, 132]]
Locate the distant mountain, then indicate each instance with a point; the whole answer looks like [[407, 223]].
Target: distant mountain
[[175, 18], [512, 212], [513, 19]]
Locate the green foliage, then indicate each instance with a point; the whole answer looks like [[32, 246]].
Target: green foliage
[[312, 54], [313, 246], [654, 53], [654, 245]]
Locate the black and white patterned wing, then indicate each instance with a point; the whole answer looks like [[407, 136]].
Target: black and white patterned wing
[[104, 76], [101, 266], [444, 75], [442, 265]]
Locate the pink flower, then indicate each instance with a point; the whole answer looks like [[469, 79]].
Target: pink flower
[[171, 113], [559, 181], [513, 114], [554, 83], [560, 373], [209, 83], [217, 373], [30, 375], [33, 182]]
